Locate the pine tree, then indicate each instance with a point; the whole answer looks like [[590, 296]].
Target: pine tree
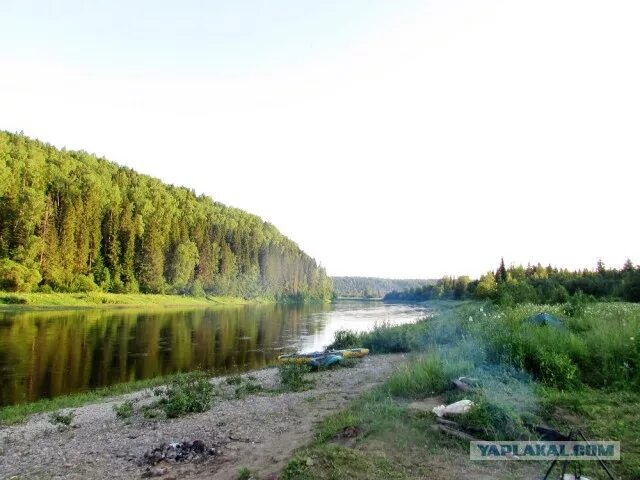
[[501, 273]]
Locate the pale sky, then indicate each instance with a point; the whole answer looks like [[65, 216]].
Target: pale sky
[[388, 138]]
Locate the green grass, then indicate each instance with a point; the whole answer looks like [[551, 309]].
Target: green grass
[[185, 393], [606, 415], [245, 386], [585, 375], [124, 410], [244, 474], [16, 413], [61, 418], [25, 301], [426, 376], [391, 443], [293, 377]]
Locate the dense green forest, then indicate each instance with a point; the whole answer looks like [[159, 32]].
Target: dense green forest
[[72, 222], [372, 287], [533, 284]]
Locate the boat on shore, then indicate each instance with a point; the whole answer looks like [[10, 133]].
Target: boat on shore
[[323, 359]]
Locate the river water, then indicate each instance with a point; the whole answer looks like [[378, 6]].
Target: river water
[[48, 353]]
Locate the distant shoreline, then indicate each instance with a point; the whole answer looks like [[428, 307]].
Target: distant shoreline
[[10, 301]]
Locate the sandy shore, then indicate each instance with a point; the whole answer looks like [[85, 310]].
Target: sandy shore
[[259, 432]]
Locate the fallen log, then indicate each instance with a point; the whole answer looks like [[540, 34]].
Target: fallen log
[[455, 433], [448, 423], [462, 386]]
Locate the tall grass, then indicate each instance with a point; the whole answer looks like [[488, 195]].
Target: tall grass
[[525, 374], [384, 338], [598, 348], [429, 375]]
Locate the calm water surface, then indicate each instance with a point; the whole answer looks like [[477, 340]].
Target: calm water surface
[[44, 354]]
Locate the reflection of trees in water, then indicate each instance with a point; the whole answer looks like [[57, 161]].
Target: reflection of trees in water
[[46, 354]]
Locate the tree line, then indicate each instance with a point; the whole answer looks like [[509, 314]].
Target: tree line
[[533, 284], [72, 222], [372, 287]]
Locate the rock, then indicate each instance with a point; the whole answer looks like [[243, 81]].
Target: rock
[[154, 472], [198, 446], [183, 452]]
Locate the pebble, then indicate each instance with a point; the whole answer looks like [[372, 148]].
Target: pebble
[[154, 472]]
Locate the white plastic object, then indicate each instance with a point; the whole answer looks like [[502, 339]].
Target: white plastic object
[[457, 408]]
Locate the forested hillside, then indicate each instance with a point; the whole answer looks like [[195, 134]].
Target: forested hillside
[[72, 222], [371, 286]]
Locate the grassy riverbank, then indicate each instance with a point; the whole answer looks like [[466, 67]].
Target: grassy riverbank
[[17, 413], [585, 375], [25, 301]]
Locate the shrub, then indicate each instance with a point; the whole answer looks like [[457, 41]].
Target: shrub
[[234, 380], [83, 283], [15, 277], [247, 387], [62, 419], [45, 289], [495, 421], [124, 410], [557, 369], [13, 300], [344, 339], [293, 377], [576, 305], [187, 393], [244, 474]]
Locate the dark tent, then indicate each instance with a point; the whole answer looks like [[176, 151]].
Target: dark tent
[[544, 318]]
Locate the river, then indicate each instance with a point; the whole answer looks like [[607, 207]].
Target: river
[[44, 354]]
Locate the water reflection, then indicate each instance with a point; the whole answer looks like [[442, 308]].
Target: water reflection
[[44, 354]]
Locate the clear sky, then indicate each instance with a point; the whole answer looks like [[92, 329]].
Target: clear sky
[[388, 138]]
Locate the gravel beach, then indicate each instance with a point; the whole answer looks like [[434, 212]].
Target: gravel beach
[[259, 432]]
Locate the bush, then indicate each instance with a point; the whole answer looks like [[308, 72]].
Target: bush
[[234, 380], [557, 369], [344, 339], [495, 421], [187, 393], [575, 307], [45, 289], [293, 377], [83, 283], [124, 410], [15, 277], [11, 300], [62, 419]]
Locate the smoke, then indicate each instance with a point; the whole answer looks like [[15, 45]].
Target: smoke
[[455, 334]]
